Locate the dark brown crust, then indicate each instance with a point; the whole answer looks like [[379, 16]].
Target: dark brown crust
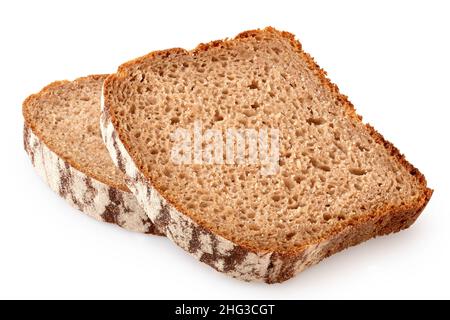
[[365, 230], [29, 122], [390, 219]]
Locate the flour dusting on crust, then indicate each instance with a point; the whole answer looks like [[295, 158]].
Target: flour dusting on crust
[[96, 199]]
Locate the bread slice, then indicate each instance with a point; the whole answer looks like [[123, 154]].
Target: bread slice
[[62, 138], [339, 182]]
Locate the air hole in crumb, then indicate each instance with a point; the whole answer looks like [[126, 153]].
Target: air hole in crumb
[[298, 179], [255, 105], [315, 121], [357, 171], [254, 85], [218, 117], [290, 235], [276, 197]]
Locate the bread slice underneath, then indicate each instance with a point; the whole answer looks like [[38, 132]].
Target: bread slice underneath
[[339, 183], [62, 138]]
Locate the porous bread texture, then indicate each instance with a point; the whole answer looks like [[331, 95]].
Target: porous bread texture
[[63, 141], [340, 182], [65, 116]]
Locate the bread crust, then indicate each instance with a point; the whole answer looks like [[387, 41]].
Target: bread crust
[[97, 199], [241, 260]]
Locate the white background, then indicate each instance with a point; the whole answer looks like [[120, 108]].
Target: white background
[[390, 57]]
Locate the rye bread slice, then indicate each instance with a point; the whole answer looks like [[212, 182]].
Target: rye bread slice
[[339, 182], [63, 140]]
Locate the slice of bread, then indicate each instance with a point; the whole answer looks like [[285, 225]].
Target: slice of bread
[[337, 181], [63, 140]]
